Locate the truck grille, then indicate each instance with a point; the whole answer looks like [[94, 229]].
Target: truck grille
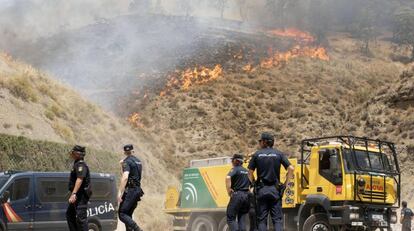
[[366, 195]]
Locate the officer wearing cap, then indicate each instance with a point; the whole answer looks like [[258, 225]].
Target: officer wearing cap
[[79, 187], [237, 184], [130, 191], [406, 217], [269, 190]]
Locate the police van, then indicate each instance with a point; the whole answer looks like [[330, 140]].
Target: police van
[[38, 201]]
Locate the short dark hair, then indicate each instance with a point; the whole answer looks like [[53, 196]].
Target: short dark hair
[[269, 143], [268, 139], [404, 204]]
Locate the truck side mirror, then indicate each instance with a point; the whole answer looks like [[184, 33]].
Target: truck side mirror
[[4, 197]]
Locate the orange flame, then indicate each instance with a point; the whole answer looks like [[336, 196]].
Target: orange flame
[[279, 58], [190, 77], [249, 68], [135, 120], [293, 33]]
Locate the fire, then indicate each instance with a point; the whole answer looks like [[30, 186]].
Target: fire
[[279, 58], [185, 79], [135, 120], [249, 68], [294, 33]]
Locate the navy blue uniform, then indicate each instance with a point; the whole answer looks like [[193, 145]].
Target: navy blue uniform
[[133, 192], [268, 162], [239, 204], [408, 216], [76, 214]]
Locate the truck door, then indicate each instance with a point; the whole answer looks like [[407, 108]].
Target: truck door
[[51, 202], [19, 208]]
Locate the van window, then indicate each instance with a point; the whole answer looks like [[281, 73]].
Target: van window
[[52, 189], [101, 189], [19, 189]]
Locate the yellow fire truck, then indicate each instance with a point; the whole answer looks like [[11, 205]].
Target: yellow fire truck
[[340, 183]]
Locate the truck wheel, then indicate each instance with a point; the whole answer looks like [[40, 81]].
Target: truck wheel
[[317, 222], [93, 227], [203, 223]]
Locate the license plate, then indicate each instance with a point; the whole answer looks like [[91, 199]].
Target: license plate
[[377, 217]]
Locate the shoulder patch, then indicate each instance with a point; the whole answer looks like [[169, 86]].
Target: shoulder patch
[[80, 168]]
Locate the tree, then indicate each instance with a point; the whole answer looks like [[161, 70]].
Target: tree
[[365, 27], [404, 29], [221, 6], [242, 9], [140, 6], [186, 6], [319, 19]]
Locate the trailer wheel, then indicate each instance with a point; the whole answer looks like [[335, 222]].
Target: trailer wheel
[[223, 226], [203, 223], [317, 222]]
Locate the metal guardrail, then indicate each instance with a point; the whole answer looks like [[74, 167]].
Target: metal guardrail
[[210, 162]]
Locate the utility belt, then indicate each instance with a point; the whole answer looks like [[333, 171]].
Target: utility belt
[[241, 191], [132, 184], [279, 187], [260, 183]]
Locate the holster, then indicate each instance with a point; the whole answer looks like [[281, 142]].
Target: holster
[[281, 189], [132, 184], [88, 191]]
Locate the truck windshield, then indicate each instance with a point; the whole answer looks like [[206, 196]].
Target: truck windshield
[[367, 161]]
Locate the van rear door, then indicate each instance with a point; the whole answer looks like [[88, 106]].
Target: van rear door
[[51, 202], [19, 208]]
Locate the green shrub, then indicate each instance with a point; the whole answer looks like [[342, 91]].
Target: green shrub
[[19, 153]]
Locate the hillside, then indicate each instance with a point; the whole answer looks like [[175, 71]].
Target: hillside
[[350, 94], [304, 98], [35, 106]]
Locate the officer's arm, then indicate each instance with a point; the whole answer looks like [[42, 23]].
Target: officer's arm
[[252, 166], [290, 173], [78, 184], [251, 176], [123, 183], [228, 185]]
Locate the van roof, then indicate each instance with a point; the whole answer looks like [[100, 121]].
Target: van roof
[[56, 174]]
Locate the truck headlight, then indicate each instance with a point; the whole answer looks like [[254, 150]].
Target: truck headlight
[[354, 216]]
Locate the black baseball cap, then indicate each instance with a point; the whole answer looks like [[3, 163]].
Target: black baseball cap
[[128, 147], [239, 157], [78, 148], [266, 136]]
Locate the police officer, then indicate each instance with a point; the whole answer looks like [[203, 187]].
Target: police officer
[[237, 185], [269, 189], [130, 188], [79, 186], [406, 217]]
